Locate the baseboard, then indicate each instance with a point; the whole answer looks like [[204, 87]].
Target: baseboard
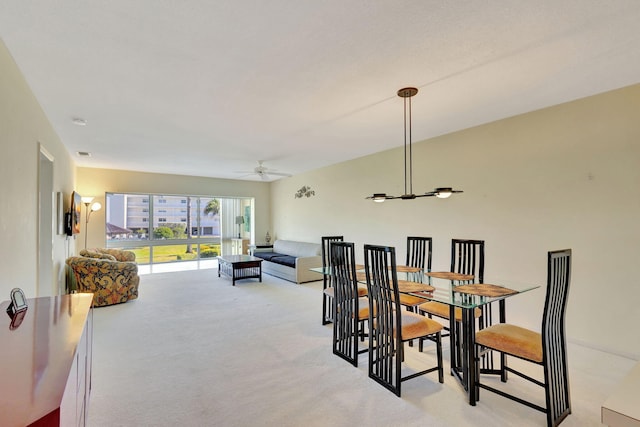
[[626, 355]]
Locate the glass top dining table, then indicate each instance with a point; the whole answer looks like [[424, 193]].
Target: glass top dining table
[[458, 291]]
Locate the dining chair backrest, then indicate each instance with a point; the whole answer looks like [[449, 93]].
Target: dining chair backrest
[[327, 298], [343, 271], [554, 341], [325, 251], [345, 307], [382, 288], [467, 257], [419, 252], [382, 277]]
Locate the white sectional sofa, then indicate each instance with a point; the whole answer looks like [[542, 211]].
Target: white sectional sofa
[[291, 260]]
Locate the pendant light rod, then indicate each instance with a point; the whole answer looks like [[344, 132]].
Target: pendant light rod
[[407, 93]]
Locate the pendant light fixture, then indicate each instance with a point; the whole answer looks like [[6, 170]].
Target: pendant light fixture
[[442, 192]]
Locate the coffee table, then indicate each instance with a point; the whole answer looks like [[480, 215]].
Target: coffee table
[[240, 267]]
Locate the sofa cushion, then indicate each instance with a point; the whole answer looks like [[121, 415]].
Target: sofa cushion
[[297, 249], [268, 256], [288, 260]]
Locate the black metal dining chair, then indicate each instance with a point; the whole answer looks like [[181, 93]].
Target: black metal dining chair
[[389, 326], [467, 257], [350, 310], [548, 348], [419, 253], [327, 288]]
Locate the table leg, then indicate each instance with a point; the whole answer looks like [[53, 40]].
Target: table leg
[[503, 357], [503, 314], [468, 350], [464, 364], [452, 344]]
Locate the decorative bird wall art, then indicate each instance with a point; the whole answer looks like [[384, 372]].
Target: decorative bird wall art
[[304, 191]]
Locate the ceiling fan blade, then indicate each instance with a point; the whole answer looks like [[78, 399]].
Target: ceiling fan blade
[[263, 172]]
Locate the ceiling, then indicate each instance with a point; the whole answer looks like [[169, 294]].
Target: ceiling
[[208, 88]]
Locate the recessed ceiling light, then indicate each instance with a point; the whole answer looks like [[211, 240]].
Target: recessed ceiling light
[[78, 121], [83, 153]]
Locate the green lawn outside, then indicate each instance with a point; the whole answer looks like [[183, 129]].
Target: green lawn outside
[[171, 253]]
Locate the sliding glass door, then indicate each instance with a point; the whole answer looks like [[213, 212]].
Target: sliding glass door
[[163, 229]]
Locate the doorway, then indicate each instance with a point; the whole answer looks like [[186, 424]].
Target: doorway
[[46, 283]]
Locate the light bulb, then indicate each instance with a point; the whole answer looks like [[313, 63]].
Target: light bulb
[[443, 193]]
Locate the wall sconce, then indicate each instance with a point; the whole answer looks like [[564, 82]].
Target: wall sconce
[[239, 221], [94, 207]]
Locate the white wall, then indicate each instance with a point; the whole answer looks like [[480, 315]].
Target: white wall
[[562, 177], [23, 125], [96, 182]]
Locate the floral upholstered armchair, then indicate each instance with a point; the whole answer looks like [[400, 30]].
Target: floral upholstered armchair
[[111, 281], [117, 254]]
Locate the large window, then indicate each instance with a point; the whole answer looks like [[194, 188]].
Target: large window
[[164, 229]]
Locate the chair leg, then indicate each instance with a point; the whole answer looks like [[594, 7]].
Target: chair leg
[[421, 340], [476, 384], [327, 302], [439, 353], [503, 368], [410, 310]]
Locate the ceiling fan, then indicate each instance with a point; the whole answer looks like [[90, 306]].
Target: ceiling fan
[[264, 172]]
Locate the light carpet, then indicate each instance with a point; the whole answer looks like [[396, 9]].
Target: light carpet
[[195, 351]]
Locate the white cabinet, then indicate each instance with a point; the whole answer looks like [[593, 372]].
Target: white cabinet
[[45, 363]]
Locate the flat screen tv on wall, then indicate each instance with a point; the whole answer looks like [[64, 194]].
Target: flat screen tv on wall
[[72, 218]]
